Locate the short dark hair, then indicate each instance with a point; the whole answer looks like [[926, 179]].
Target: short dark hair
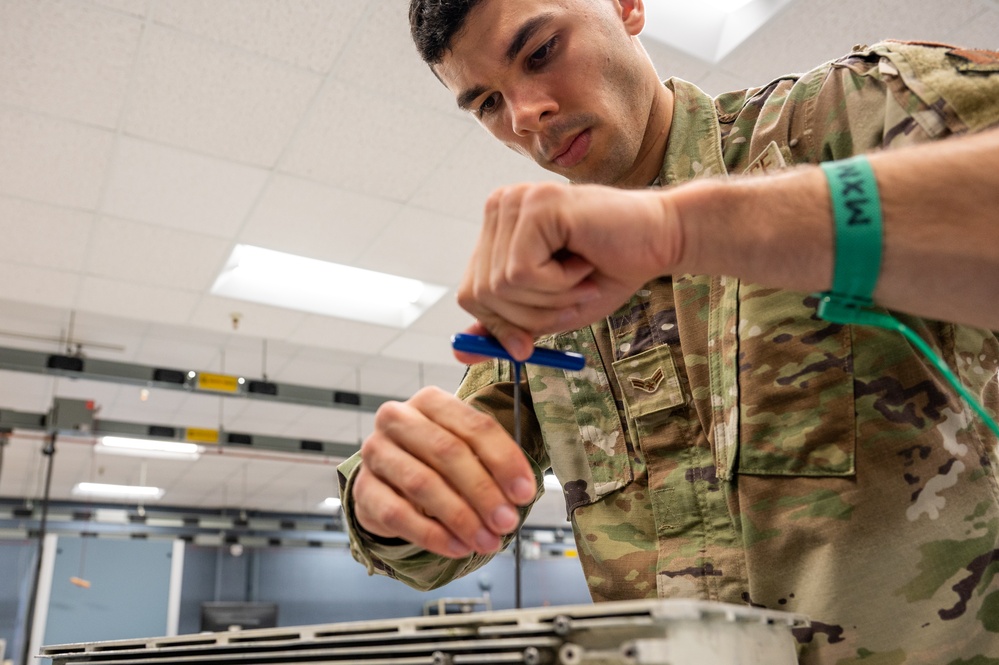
[[434, 23]]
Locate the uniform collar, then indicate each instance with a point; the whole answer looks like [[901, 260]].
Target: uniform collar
[[694, 148]]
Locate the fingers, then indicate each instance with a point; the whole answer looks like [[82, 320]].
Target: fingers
[[381, 511], [520, 282], [437, 472]]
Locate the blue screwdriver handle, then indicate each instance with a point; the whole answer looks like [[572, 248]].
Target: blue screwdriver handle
[[488, 346]]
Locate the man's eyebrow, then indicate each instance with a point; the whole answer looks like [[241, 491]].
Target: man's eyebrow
[[525, 33], [521, 38], [466, 98]]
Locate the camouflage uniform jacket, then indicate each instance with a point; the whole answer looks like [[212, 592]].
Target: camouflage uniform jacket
[[724, 443]]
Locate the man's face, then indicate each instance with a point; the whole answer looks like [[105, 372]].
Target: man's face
[[560, 81]]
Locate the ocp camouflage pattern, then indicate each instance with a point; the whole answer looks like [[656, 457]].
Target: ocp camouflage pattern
[[725, 443]]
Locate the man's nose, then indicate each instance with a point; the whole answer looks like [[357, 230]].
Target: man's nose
[[531, 111]]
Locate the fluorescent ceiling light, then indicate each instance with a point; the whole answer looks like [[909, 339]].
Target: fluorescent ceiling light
[[117, 491], [330, 503], [148, 448], [296, 282], [710, 29]]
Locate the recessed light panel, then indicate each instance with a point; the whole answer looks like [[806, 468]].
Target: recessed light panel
[[319, 287], [708, 29]]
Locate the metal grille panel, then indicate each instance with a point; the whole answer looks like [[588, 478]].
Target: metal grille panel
[[652, 632]]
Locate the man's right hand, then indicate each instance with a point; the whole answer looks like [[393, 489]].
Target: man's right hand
[[441, 475]]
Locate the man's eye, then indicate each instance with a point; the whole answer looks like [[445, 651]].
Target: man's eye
[[489, 104], [541, 56]]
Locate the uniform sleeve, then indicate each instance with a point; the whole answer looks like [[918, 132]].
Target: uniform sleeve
[[961, 86], [487, 387], [894, 94]]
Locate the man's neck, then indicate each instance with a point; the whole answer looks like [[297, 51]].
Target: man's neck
[[649, 161]]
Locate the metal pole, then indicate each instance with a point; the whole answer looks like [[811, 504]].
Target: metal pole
[[29, 619], [518, 555], [4, 439]]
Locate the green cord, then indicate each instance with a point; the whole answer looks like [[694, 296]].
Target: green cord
[[835, 310], [858, 219]]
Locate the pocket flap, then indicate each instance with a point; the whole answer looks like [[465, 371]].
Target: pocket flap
[[649, 382]]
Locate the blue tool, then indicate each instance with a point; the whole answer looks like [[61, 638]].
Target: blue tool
[[488, 346]]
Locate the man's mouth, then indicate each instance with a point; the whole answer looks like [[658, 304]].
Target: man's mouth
[[572, 151]]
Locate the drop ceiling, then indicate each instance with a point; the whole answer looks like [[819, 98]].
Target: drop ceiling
[[140, 140]]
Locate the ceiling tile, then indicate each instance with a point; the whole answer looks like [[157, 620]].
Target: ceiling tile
[[38, 285], [371, 143], [248, 358], [44, 235], [304, 33], [135, 7], [154, 255], [171, 352], [216, 100], [201, 410], [159, 407], [260, 417], [20, 391], [474, 169], [421, 347], [101, 336], [445, 318], [259, 321], [162, 185], [321, 368], [66, 59], [670, 62], [444, 377], [148, 303], [52, 161], [338, 425], [310, 219], [705, 29], [392, 377], [343, 335], [33, 317], [422, 245], [382, 45], [23, 471], [810, 32]]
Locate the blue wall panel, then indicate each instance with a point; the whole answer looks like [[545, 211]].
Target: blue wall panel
[[325, 585], [130, 583]]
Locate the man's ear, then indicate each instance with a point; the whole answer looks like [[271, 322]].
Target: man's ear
[[633, 15]]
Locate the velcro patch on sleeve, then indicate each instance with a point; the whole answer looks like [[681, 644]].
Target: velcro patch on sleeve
[[976, 61]]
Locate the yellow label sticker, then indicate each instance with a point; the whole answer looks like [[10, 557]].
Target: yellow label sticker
[[200, 435], [218, 382]]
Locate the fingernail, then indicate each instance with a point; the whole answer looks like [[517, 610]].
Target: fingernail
[[522, 490], [457, 548], [519, 348], [486, 541], [505, 519]]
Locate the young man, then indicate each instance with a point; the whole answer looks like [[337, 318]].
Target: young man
[[723, 441]]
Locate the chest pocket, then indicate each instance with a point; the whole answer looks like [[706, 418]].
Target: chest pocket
[[649, 386], [796, 385], [580, 424]]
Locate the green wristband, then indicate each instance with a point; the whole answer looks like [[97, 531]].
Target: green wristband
[[857, 217]]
